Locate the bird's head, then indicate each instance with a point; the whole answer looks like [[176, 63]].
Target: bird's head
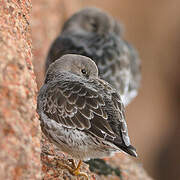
[[76, 64], [91, 21]]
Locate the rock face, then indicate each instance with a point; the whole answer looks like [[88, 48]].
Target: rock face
[[19, 126]]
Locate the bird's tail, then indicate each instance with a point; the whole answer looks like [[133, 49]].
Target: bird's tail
[[121, 145], [130, 150]]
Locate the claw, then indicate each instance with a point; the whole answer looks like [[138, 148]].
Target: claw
[[75, 170]]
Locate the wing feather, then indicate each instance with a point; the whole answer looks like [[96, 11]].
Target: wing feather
[[77, 105]]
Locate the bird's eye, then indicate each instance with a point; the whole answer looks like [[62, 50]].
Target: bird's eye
[[94, 26], [83, 71]]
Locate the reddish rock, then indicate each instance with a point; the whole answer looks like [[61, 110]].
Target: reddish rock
[[19, 126]]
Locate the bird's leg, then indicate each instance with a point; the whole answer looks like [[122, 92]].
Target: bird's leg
[[73, 163], [75, 170], [65, 166]]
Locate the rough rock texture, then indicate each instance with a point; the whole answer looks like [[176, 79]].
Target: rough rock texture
[[19, 126], [48, 17]]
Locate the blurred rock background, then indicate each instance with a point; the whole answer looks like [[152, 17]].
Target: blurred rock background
[[153, 28]]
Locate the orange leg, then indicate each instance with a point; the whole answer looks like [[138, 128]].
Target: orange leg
[[75, 170]]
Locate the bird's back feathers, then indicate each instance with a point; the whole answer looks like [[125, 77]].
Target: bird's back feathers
[[92, 106]]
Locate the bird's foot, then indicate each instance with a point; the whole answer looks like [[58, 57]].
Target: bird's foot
[[75, 170]]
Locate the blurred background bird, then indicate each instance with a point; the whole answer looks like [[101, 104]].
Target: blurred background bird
[[95, 34]]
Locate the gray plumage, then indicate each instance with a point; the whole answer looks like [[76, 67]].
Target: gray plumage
[[80, 113], [93, 33]]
